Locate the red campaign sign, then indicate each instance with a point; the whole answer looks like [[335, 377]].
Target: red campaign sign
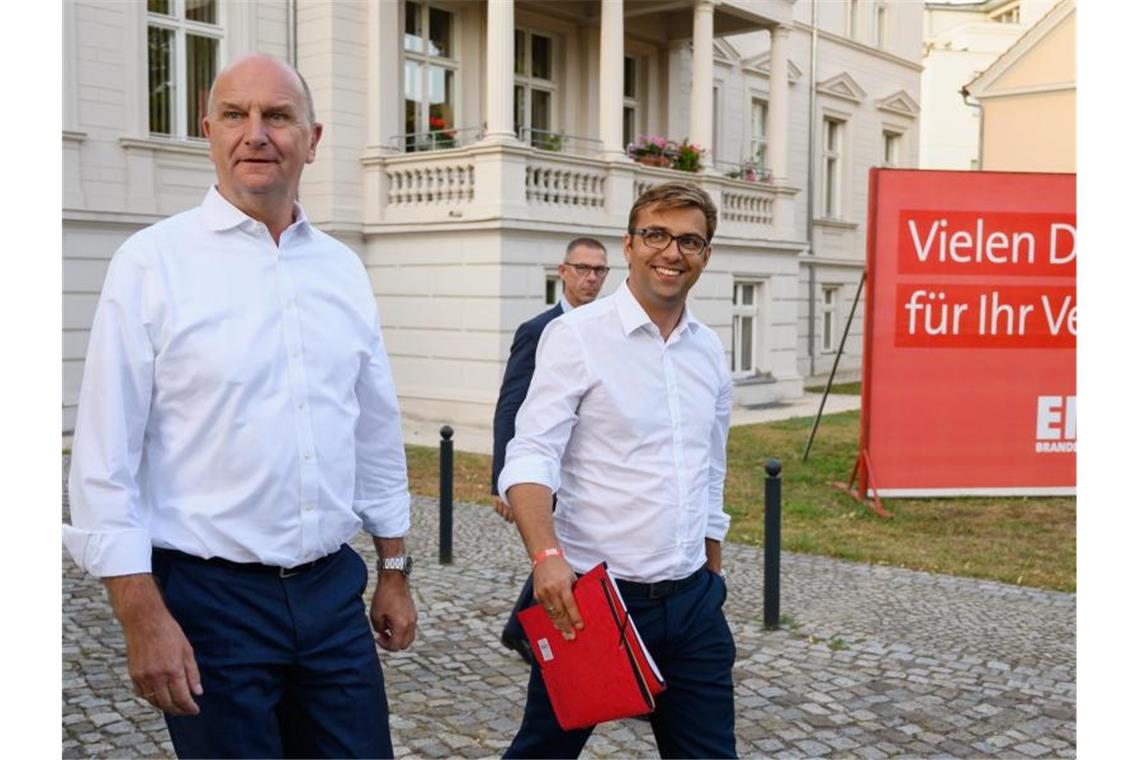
[[985, 316], [997, 244], [960, 264]]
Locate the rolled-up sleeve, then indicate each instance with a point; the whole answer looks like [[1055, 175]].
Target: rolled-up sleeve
[[108, 534], [719, 519], [381, 498], [548, 415]]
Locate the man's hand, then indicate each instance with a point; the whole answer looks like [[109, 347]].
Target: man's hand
[[160, 660], [713, 556], [393, 613], [504, 510], [553, 588]]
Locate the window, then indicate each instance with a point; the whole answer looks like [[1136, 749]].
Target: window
[[832, 167], [759, 145], [534, 87], [430, 68], [182, 40], [553, 289], [629, 111], [747, 298], [881, 25], [830, 315], [892, 142]]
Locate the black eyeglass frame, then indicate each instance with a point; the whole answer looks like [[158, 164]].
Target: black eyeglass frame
[[642, 231], [584, 269]]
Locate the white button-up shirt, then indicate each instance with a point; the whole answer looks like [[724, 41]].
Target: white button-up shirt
[[237, 400], [630, 430]]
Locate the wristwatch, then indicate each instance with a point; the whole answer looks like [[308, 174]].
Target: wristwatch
[[401, 564]]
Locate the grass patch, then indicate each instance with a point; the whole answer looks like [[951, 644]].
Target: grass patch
[[472, 474], [1023, 540], [839, 389]]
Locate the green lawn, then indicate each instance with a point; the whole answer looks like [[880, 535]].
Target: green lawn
[[1030, 541], [839, 389]]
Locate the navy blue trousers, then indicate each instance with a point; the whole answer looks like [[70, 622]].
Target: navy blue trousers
[[289, 665], [693, 647]]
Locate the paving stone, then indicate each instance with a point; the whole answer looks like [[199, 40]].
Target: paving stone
[[970, 687], [1032, 749], [813, 748]]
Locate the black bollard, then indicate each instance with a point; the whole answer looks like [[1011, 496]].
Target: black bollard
[[446, 486], [772, 545]]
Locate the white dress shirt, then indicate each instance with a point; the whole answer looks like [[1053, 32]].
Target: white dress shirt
[[630, 430], [237, 400]]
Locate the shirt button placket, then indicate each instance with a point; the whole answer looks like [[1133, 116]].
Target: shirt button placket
[[298, 390], [674, 404]]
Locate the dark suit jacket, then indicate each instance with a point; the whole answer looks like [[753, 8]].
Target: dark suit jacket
[[516, 381]]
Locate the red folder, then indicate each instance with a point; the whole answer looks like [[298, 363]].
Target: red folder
[[605, 672]]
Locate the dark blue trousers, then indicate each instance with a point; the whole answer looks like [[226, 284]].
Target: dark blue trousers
[[289, 665], [693, 647]]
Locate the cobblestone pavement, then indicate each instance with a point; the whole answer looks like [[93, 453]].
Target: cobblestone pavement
[[873, 661]]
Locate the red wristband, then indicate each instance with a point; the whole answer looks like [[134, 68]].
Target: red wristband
[[542, 554]]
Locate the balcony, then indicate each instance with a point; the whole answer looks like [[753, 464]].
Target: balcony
[[480, 182]]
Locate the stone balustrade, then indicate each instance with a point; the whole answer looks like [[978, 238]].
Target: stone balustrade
[[483, 182]]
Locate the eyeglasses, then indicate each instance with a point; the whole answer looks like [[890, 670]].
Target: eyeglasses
[[658, 239], [585, 269]]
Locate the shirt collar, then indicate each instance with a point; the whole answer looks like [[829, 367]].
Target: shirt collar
[[633, 316], [222, 215], [566, 307]]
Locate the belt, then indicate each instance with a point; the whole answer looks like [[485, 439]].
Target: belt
[[634, 590], [247, 567]]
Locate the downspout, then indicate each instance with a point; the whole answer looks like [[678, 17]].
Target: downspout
[[965, 93], [291, 33], [810, 251]]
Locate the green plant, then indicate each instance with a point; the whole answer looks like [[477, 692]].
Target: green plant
[[551, 142], [687, 157]]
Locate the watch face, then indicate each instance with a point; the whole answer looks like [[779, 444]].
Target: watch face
[[407, 565]]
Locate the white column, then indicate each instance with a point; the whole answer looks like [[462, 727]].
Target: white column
[[778, 104], [385, 97], [500, 70], [701, 94], [610, 70]]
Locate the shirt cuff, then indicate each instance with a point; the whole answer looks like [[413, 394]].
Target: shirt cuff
[[385, 518], [718, 524], [528, 469], [105, 554]]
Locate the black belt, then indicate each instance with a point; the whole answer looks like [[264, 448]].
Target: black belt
[[634, 590], [249, 567]]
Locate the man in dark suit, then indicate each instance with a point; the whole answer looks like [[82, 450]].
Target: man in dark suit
[[583, 272]]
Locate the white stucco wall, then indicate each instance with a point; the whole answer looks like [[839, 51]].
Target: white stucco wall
[[451, 294]]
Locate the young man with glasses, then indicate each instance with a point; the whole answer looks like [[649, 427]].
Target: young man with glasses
[[583, 272], [627, 420]]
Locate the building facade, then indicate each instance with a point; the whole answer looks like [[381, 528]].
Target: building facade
[[467, 140], [961, 40], [1028, 98]]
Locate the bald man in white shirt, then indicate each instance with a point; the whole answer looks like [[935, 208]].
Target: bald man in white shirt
[[627, 419], [237, 425]]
